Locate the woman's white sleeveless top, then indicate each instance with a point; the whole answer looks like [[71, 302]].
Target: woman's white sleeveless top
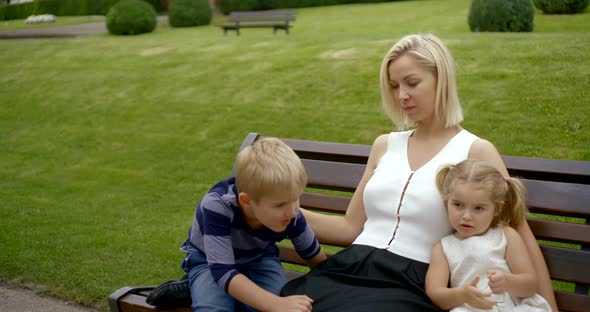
[[405, 212]]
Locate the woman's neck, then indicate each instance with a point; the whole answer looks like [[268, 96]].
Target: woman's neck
[[435, 130]]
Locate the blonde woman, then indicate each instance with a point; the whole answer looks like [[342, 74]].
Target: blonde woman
[[396, 214]]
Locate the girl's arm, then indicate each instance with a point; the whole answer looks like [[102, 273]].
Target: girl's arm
[[484, 150], [339, 230], [437, 281], [521, 281], [244, 290]]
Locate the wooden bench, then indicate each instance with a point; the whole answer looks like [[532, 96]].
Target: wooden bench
[[559, 189], [276, 19]]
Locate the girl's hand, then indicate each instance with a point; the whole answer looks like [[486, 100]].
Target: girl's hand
[[497, 281], [476, 297], [297, 303]]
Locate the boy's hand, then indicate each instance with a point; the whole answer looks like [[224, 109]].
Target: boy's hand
[[297, 303], [497, 281], [476, 297]]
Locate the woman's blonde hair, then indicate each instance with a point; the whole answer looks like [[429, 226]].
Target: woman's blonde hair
[[431, 53], [269, 166], [507, 191]]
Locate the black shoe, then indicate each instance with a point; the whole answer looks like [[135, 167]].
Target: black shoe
[[171, 294]]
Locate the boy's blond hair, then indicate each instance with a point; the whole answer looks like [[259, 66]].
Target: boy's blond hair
[[268, 166]]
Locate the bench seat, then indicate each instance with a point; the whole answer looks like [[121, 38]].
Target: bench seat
[[275, 19], [558, 198]]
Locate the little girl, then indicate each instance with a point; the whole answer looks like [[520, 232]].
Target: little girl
[[485, 259]]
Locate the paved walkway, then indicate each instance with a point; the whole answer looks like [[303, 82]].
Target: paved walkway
[[61, 31], [14, 299]]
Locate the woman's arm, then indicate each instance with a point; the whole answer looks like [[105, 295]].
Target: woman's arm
[[344, 230], [486, 151], [520, 281]]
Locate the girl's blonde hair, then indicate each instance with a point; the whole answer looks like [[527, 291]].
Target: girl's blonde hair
[[431, 53], [508, 191], [269, 166]]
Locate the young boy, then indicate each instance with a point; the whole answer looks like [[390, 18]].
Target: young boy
[[232, 259]]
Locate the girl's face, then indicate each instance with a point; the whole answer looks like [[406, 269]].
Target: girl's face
[[471, 210], [414, 87]]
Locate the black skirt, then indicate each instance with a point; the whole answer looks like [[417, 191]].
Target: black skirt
[[363, 278]]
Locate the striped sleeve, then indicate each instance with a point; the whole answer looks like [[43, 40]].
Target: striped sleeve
[[303, 238], [217, 219]]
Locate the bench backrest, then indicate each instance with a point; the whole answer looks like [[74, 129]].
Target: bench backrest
[[558, 198], [261, 16]]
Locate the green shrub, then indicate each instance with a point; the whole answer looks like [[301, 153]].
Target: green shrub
[[188, 13], [501, 15], [226, 6], [131, 17], [561, 6]]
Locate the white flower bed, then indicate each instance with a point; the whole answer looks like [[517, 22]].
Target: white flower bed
[[37, 19]]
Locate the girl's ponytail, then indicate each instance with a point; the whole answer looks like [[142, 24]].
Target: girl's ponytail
[[515, 209]]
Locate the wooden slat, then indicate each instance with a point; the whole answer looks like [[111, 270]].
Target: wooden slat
[[289, 255], [549, 169], [560, 231], [350, 153], [571, 302], [567, 264], [323, 202], [333, 175], [569, 199]]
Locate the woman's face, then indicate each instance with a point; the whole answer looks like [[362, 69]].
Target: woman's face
[[414, 88]]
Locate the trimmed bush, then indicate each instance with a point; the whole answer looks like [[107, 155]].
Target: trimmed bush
[[226, 6], [501, 15], [561, 6], [131, 17], [188, 13]]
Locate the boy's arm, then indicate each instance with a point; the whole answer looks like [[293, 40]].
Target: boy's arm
[[321, 256], [521, 281], [437, 280], [246, 291]]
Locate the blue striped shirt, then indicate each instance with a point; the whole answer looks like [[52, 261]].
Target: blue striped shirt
[[221, 233]]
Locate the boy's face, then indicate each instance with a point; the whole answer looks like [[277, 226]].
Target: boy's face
[[275, 211]]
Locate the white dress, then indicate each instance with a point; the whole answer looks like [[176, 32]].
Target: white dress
[[474, 256]]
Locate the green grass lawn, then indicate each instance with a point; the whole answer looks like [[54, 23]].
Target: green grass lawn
[[107, 143]]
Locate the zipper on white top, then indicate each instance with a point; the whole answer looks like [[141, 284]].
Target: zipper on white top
[[399, 206]]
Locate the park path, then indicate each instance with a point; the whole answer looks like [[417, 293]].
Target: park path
[[15, 299], [61, 31]]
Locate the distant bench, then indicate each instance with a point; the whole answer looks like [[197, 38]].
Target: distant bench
[[274, 19], [558, 188]]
